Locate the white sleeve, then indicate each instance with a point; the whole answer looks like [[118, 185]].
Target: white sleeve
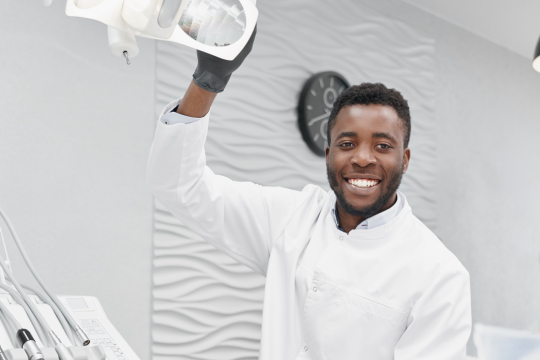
[[440, 322], [171, 117], [240, 218]]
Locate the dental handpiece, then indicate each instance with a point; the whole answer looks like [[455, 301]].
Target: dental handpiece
[[78, 330], [2, 354], [29, 345]]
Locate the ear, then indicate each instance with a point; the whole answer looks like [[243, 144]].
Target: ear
[[327, 154], [406, 158]]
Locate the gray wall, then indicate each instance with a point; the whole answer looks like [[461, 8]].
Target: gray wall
[[488, 116], [75, 131]]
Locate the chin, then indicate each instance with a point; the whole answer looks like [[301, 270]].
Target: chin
[[362, 206]]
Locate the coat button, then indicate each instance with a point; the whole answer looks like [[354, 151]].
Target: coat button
[[341, 238], [305, 348], [315, 289]]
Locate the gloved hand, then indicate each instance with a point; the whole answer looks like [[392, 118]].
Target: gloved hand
[[213, 74]]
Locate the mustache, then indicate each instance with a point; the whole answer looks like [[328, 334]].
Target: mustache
[[392, 184]]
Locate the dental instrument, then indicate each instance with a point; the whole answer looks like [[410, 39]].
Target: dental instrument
[[78, 330], [19, 300], [24, 337], [58, 312], [2, 354], [27, 342], [46, 299]]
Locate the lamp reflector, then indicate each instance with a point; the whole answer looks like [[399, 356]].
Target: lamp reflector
[[214, 22]]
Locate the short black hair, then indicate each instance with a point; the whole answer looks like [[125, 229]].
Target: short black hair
[[376, 94]]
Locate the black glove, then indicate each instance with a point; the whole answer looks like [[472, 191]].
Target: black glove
[[213, 74]]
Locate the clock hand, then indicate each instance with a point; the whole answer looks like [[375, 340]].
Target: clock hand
[[320, 117]]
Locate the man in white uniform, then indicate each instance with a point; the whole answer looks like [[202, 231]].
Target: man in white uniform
[[351, 273]]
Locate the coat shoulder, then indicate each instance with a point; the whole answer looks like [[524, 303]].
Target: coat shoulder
[[315, 193], [432, 249]]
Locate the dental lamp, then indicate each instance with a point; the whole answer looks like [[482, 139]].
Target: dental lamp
[[218, 27]]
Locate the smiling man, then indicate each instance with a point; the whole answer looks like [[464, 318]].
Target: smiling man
[[351, 273], [367, 154]]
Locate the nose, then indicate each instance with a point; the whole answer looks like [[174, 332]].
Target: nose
[[364, 156]]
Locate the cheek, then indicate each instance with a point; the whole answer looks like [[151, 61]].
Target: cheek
[[337, 163], [392, 164], [340, 158]]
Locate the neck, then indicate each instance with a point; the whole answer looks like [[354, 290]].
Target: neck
[[350, 222]]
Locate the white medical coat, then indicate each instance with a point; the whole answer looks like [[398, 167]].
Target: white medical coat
[[392, 292]]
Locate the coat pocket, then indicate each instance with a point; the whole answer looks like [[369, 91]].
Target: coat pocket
[[356, 327]]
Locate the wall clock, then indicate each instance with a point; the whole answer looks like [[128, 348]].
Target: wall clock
[[316, 101]]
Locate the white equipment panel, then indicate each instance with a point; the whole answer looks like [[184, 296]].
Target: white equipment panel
[[90, 316]]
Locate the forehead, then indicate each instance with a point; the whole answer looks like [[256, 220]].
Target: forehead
[[366, 119]]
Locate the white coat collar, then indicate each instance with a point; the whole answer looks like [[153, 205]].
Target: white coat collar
[[381, 231], [376, 220]]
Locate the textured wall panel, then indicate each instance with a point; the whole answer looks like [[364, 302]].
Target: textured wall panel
[[206, 306]]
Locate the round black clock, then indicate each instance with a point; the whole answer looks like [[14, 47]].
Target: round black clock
[[316, 102]]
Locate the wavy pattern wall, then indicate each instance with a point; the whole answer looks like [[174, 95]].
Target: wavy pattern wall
[[205, 305]]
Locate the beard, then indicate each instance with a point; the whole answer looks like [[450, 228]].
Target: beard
[[369, 210]]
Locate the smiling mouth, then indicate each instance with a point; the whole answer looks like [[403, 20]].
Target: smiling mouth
[[363, 183]]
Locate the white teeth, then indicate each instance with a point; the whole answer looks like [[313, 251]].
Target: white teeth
[[362, 183]]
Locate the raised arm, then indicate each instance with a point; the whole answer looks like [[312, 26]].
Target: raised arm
[[240, 218]]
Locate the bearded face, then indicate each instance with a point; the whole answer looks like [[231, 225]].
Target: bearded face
[[366, 159]]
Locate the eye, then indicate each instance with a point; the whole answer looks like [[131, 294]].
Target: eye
[[384, 146], [346, 144]]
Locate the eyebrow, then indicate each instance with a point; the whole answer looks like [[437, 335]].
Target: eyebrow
[[383, 135], [345, 134]]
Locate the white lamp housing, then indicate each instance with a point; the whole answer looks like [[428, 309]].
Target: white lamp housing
[[218, 27], [157, 18]]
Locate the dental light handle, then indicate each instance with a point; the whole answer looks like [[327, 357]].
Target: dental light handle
[[78, 330], [122, 43]]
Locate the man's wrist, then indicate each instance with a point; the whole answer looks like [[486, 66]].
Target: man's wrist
[[209, 81], [196, 102]]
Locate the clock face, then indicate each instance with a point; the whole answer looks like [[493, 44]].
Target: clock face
[[316, 102]]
